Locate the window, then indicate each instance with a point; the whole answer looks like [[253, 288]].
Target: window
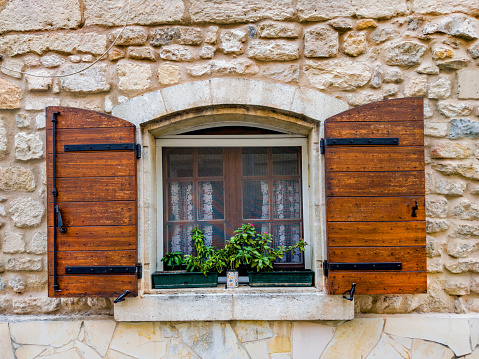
[[220, 182]]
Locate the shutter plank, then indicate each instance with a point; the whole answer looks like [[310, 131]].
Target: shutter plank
[[379, 282], [412, 258], [366, 209], [93, 285], [339, 159], [95, 238], [88, 189], [71, 117], [376, 234], [409, 133]]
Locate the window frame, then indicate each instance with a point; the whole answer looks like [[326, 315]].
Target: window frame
[[285, 140]]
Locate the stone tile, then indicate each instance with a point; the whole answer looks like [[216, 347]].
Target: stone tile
[[354, 339], [248, 331], [257, 350], [212, 340], [388, 349], [98, 334], [86, 351], [138, 340], [178, 350], [451, 332], [69, 354], [113, 354], [474, 329], [54, 333], [310, 339], [423, 349], [405, 342], [279, 345], [5, 342], [29, 351]]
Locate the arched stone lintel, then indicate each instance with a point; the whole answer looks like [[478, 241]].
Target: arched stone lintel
[[229, 91]]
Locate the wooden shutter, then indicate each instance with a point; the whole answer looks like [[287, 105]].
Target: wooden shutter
[[96, 197], [372, 187]]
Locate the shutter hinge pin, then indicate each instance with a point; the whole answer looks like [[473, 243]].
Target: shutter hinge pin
[[139, 270], [121, 297], [322, 146], [325, 268], [138, 150]]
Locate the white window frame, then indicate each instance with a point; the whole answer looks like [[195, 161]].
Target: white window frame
[[234, 141]]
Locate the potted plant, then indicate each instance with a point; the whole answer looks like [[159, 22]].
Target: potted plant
[[199, 268]]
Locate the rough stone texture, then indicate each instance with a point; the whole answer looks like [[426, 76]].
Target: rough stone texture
[[405, 54], [164, 36], [454, 109], [17, 284], [232, 42], [440, 89], [393, 75], [273, 51], [130, 36], [9, 95], [133, 76], [355, 44], [460, 248], [468, 88], [435, 7], [474, 50], [339, 74], [38, 243], [177, 53], [13, 242], [320, 10], [22, 120], [278, 30], [341, 24], [435, 129], [440, 52], [436, 208], [416, 86], [466, 210], [20, 15], [224, 67], [168, 74], [26, 212], [384, 34], [98, 334], [16, 179], [211, 34], [116, 54], [355, 339], [207, 52], [15, 66], [463, 128], [39, 84], [248, 331], [321, 41], [113, 13], [428, 69], [288, 73], [436, 226], [235, 11], [463, 266], [24, 264], [63, 42], [3, 139], [51, 61], [28, 146], [450, 150], [366, 24], [456, 63], [454, 25], [92, 80], [141, 53], [450, 187]]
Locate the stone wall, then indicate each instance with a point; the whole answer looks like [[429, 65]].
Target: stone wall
[[360, 51]]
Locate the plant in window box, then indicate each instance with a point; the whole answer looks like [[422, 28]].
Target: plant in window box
[[199, 268]]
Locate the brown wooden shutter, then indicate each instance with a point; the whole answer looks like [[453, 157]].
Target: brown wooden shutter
[[96, 196], [371, 192]]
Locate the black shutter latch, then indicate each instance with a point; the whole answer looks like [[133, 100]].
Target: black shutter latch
[[350, 292]]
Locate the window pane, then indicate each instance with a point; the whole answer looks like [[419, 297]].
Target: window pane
[[180, 162], [255, 161], [180, 201], [179, 238], [285, 161], [287, 234], [214, 233], [210, 162], [211, 200], [255, 199], [286, 199]]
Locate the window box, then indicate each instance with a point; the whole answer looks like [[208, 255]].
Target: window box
[[301, 278], [163, 280]]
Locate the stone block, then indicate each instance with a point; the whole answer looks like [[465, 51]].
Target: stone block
[[141, 53], [416, 86], [466, 210], [51, 61], [22, 120], [130, 36], [39, 84], [133, 76], [15, 67], [454, 25], [273, 51], [17, 284], [450, 187], [468, 87], [273, 30], [440, 89], [177, 53], [384, 34], [168, 74], [20, 15], [460, 248], [38, 243], [366, 24], [436, 208], [451, 150], [240, 11], [248, 331], [338, 74], [207, 52], [428, 69], [164, 36], [405, 54], [224, 67], [231, 42], [288, 73], [92, 80], [28, 146], [355, 44], [378, 9], [341, 24], [474, 50], [435, 129], [26, 212], [320, 10], [454, 109], [431, 247], [16, 179], [3, 140], [321, 41], [13, 242], [393, 75], [190, 36], [456, 63], [113, 13], [438, 7], [9, 95], [116, 54], [463, 266], [435, 226], [24, 264]]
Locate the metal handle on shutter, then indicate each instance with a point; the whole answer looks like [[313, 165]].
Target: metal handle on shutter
[[61, 228], [350, 292]]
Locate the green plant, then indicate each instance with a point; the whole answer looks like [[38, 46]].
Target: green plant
[[174, 259]]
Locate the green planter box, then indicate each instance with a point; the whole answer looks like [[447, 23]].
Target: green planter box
[[163, 280], [302, 278]]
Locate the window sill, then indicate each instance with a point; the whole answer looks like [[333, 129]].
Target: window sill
[[243, 303]]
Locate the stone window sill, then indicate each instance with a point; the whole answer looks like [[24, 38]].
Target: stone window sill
[[243, 303]]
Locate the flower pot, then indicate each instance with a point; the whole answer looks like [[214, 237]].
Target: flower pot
[[232, 278], [162, 280], [301, 278]]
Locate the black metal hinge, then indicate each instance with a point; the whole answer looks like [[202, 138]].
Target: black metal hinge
[[106, 270], [378, 266], [392, 141], [105, 147]]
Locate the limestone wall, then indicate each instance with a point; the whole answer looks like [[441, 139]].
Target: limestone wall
[[360, 51]]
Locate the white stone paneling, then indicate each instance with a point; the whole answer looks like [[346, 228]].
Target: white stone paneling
[[310, 339], [54, 333]]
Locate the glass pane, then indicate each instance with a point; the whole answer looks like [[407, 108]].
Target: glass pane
[[286, 199], [287, 234], [210, 162], [211, 200], [179, 238], [285, 161], [255, 199], [180, 162], [180, 201], [214, 233], [255, 161]]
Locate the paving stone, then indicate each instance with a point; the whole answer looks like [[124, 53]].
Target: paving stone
[[338, 74], [273, 51], [320, 41]]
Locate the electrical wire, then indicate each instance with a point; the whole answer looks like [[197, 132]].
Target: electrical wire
[[87, 67]]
